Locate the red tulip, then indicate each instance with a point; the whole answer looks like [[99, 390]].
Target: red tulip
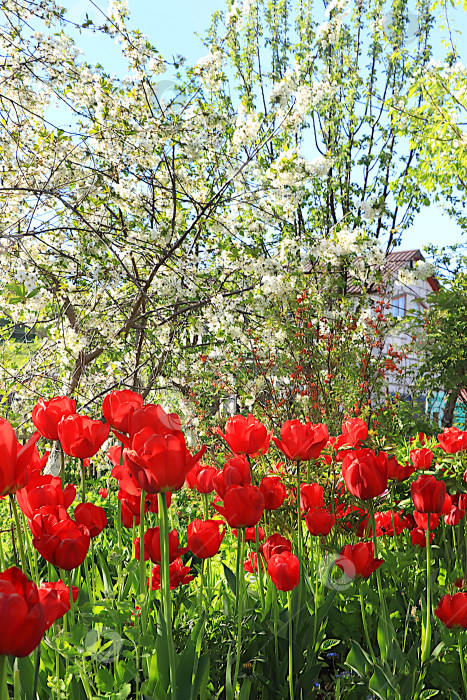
[[93, 517], [236, 471], [448, 503], [250, 565], [37, 463], [243, 506], [274, 492], [154, 417], [250, 534], [284, 570], [160, 463], [428, 494], [204, 479], [319, 521], [421, 459], [365, 474], [122, 473], [103, 493], [454, 517], [418, 537], [82, 437], [130, 506], [452, 610], [22, 615], [118, 407], [275, 544], [397, 471], [421, 520], [384, 526], [152, 546], [311, 496], [62, 542], [245, 435], [302, 442], [190, 479], [179, 575], [357, 561], [453, 440], [44, 490], [46, 415], [204, 537], [355, 432], [14, 459], [55, 599]]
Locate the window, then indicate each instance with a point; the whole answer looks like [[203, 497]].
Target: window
[[419, 308], [398, 305]]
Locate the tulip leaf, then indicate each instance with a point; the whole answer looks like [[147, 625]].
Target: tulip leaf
[[26, 675], [201, 678], [357, 659], [230, 578], [245, 691], [381, 684], [162, 654], [187, 666], [324, 608], [229, 691]]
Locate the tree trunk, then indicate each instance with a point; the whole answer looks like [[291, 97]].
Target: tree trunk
[[448, 414]]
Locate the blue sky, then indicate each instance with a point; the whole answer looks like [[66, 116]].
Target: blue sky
[[175, 28]]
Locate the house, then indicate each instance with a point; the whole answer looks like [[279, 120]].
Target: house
[[406, 292]]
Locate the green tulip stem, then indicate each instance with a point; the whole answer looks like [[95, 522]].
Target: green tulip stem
[[276, 618], [3, 686], [299, 513], [260, 569], [426, 633], [142, 582], [201, 587], [365, 626], [83, 482], [208, 562], [2, 555], [289, 611], [454, 540], [461, 657], [33, 570], [317, 572], [70, 588], [394, 535], [382, 600], [165, 588], [465, 542], [119, 537], [19, 534], [62, 467], [240, 580], [37, 663]]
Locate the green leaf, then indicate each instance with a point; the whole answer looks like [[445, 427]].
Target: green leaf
[[104, 680], [201, 678], [381, 684], [162, 654], [124, 692], [245, 691], [357, 659], [230, 578], [229, 691]]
